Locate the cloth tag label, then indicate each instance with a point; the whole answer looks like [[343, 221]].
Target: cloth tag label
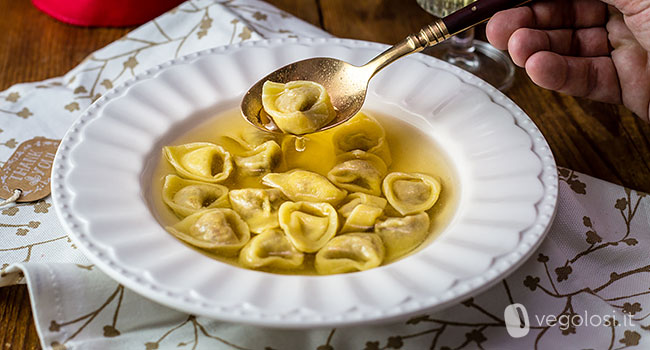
[[29, 170]]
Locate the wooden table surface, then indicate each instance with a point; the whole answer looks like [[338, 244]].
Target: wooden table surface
[[601, 140]]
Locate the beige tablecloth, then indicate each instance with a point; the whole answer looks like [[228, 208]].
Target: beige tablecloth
[[595, 262]]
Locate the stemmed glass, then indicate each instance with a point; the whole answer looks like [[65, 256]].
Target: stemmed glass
[[462, 50]]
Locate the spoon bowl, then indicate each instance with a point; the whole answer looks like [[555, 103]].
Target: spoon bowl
[[346, 85]]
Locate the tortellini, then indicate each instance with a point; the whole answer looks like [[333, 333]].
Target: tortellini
[[254, 137], [297, 107], [410, 193], [258, 207], [354, 199], [186, 197], [350, 252], [260, 160], [361, 218], [303, 185], [201, 161], [271, 249], [402, 235], [309, 226], [362, 133], [219, 230], [361, 211], [359, 171]]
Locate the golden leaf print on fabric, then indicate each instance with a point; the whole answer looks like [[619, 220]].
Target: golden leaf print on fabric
[[109, 330], [259, 16], [245, 33], [42, 207], [11, 143], [571, 178], [205, 25], [29, 247], [130, 63], [12, 97], [80, 90], [627, 206], [85, 267], [630, 338], [72, 106], [23, 113], [199, 329], [10, 211], [106, 84], [22, 229]]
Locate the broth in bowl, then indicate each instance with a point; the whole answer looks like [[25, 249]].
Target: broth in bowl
[[357, 196]]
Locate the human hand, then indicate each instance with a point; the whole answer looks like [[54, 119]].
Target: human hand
[[582, 47]]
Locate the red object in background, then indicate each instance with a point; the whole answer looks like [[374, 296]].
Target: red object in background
[[105, 13]]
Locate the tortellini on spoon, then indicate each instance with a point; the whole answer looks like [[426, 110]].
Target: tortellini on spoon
[[271, 249], [303, 185], [411, 193], [258, 207], [350, 252], [359, 171], [309, 226], [186, 197], [402, 234], [201, 161], [297, 107], [219, 230]]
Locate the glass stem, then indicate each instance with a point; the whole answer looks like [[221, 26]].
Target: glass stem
[[461, 51]]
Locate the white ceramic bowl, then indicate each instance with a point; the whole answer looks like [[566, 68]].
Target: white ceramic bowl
[[101, 179]]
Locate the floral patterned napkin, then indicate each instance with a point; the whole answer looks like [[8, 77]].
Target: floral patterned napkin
[[588, 285]]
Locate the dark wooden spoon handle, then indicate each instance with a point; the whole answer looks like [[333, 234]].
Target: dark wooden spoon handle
[[477, 12]]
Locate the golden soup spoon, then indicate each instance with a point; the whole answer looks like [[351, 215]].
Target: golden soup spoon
[[347, 84]]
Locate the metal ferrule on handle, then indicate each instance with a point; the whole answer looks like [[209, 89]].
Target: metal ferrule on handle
[[431, 34]]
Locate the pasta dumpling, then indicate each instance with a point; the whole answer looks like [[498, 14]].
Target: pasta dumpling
[[260, 160], [361, 211], [186, 197], [361, 218], [219, 230], [359, 171], [410, 193], [354, 199], [297, 107], [401, 235], [350, 252], [309, 226], [254, 137], [303, 185], [258, 207], [201, 161], [271, 249], [363, 133]]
